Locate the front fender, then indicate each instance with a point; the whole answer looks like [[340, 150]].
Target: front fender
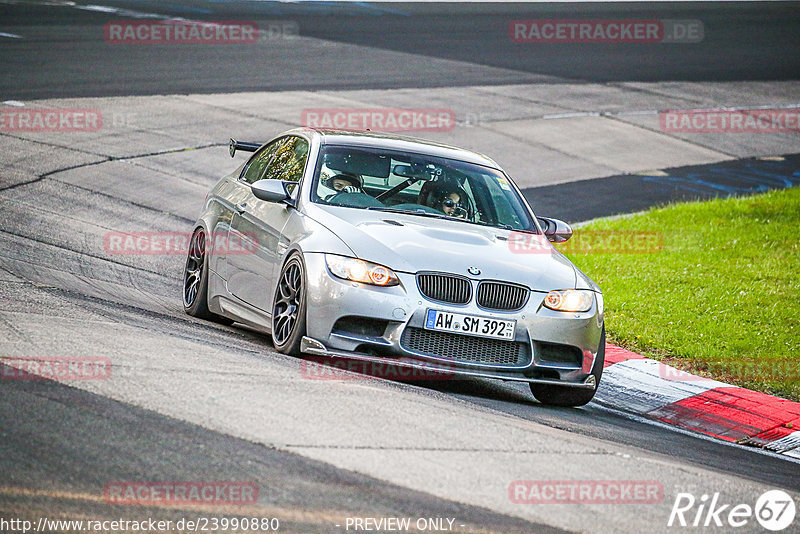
[[305, 235]]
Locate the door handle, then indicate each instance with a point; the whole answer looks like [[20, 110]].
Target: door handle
[[241, 208]]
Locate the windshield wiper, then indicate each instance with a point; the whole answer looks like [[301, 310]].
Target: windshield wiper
[[419, 212], [450, 218], [422, 213]]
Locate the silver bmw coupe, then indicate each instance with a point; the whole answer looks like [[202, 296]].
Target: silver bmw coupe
[[399, 251]]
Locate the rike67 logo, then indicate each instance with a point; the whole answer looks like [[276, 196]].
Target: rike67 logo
[[774, 510]]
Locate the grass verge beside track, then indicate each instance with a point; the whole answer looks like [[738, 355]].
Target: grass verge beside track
[[719, 296]]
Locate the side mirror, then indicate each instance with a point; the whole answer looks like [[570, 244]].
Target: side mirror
[[270, 190], [554, 230]]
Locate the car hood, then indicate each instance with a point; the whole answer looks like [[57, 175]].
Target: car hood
[[410, 243]]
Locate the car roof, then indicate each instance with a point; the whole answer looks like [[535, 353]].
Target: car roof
[[396, 142]]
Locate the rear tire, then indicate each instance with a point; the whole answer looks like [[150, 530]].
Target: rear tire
[[571, 396], [195, 281], [289, 307]]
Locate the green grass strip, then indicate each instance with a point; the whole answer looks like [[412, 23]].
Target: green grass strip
[[710, 287]]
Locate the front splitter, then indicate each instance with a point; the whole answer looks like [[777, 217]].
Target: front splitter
[[317, 348]]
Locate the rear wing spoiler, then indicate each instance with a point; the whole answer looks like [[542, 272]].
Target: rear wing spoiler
[[235, 145]]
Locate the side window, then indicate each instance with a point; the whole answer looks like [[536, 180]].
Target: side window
[[289, 161], [256, 166]]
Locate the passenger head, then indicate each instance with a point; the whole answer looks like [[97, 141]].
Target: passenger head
[[452, 200]]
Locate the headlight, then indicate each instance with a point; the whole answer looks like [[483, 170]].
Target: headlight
[[361, 271], [569, 300]]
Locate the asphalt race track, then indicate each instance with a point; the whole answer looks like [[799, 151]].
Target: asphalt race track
[[377, 46], [189, 400]]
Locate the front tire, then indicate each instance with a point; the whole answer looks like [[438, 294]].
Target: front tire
[[195, 281], [289, 307], [570, 396]]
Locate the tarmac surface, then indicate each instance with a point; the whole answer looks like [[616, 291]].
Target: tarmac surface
[[190, 400]]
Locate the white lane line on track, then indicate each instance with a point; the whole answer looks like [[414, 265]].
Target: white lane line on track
[[659, 424], [576, 114], [101, 9], [126, 12], [785, 444], [129, 13], [643, 385], [10, 35]]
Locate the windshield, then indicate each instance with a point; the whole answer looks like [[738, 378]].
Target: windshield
[[418, 184]]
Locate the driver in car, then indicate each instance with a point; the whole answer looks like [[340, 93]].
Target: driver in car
[[343, 183]]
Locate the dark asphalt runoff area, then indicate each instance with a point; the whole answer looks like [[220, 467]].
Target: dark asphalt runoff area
[[584, 200], [62, 51], [67, 445], [62, 444]]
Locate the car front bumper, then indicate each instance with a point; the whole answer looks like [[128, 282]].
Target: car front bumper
[[397, 315]]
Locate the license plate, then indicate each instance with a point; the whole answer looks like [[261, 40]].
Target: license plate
[[458, 323]]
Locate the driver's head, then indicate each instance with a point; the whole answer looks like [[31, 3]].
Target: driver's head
[[340, 181]]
